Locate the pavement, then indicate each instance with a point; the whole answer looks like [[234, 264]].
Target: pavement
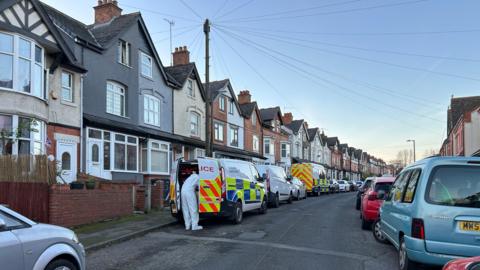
[[317, 233]]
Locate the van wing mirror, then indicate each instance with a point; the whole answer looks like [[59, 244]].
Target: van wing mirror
[[289, 178], [262, 178]]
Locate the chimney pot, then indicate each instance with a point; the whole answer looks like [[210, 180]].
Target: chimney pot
[[244, 97], [106, 10], [181, 56]]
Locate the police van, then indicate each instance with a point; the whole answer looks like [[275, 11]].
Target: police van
[[227, 188], [313, 176]]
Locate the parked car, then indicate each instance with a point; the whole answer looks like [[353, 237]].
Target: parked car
[[358, 184], [432, 214], [343, 186], [352, 186], [25, 244], [299, 189], [463, 264], [361, 191], [333, 186], [279, 186], [227, 188], [372, 201]]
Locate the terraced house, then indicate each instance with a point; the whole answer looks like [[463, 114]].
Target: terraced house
[[252, 124], [127, 95], [275, 137], [40, 86]]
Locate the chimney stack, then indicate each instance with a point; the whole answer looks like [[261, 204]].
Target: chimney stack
[[306, 124], [244, 97], [181, 56], [106, 10], [287, 118]]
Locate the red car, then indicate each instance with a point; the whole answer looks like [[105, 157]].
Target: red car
[[464, 264], [373, 200]]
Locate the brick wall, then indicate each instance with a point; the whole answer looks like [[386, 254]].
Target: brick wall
[[76, 207], [251, 130], [220, 116]]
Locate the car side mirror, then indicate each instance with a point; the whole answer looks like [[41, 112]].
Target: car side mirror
[[3, 224], [289, 178], [381, 195]]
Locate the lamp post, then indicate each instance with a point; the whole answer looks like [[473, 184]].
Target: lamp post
[[414, 157]]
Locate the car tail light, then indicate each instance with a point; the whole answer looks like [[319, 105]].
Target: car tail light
[[418, 229], [224, 183], [372, 196]]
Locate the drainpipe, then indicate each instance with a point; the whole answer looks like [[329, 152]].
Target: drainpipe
[[81, 124]]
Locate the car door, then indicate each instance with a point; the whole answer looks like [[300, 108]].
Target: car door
[[392, 212], [11, 252]]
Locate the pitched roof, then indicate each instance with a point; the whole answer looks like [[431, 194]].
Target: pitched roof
[[105, 33], [343, 147], [459, 106], [311, 133], [180, 73], [268, 114], [247, 109], [358, 153], [331, 141], [215, 87], [295, 125]]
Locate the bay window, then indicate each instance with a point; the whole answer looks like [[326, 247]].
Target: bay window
[[21, 65], [151, 110], [115, 99], [155, 157], [21, 135], [125, 153]]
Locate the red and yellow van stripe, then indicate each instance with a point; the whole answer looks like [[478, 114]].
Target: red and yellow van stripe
[[210, 195], [304, 172]]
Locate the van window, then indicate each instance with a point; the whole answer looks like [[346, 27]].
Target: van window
[[455, 186], [399, 187], [278, 172], [238, 170], [254, 172], [412, 186]]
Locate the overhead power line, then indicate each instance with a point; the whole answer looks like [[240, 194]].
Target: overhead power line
[[220, 8], [190, 29], [161, 13], [194, 12], [235, 9]]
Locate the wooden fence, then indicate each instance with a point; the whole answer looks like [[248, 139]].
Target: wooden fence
[[29, 199], [27, 169]]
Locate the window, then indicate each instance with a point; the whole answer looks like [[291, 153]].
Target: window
[[124, 52], [256, 143], [268, 147], [22, 136], [411, 187], [191, 90], [146, 65], [151, 110], [457, 186], [21, 65], [221, 103], [194, 124], [11, 222], [254, 119], [230, 106], [399, 187], [285, 150], [155, 157], [106, 150], [125, 153], [115, 99], [67, 86], [233, 136], [95, 154], [218, 131]]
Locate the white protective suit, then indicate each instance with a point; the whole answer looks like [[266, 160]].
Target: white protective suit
[[189, 202]]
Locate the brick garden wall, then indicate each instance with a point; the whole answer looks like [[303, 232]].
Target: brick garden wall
[[76, 207]]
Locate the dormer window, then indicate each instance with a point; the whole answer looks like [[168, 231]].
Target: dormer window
[[124, 49]]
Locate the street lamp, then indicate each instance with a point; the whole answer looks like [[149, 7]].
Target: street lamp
[[413, 141]]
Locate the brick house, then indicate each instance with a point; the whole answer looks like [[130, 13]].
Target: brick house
[[275, 139], [252, 124], [40, 86], [336, 156], [345, 173]]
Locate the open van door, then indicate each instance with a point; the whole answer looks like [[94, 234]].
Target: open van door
[[210, 186], [174, 192]]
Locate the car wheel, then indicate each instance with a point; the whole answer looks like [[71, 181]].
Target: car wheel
[[365, 224], [377, 232], [357, 206], [238, 213], [404, 262], [298, 196], [61, 264], [276, 203], [263, 207], [290, 198]]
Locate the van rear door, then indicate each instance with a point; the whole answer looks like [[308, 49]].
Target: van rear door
[[210, 186], [174, 192], [304, 172]]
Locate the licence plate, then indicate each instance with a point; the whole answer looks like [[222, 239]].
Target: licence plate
[[469, 226]]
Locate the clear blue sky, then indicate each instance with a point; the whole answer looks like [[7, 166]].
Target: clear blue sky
[[371, 72]]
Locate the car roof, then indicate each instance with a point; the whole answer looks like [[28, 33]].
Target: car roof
[[384, 179], [16, 215], [444, 160]]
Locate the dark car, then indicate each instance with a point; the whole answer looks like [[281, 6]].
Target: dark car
[[366, 184]]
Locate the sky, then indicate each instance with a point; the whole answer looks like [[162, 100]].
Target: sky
[[374, 73]]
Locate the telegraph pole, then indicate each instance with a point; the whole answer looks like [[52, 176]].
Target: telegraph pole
[[208, 104]]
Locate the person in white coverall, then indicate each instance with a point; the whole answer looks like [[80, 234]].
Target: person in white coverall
[[189, 202]]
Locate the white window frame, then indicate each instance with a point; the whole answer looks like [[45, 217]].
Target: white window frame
[[33, 63], [67, 88], [255, 143], [148, 64], [287, 150], [149, 112], [230, 106], [218, 132], [149, 150], [128, 48], [254, 119], [116, 91], [234, 131], [196, 131], [40, 130], [190, 88], [221, 103], [271, 146]]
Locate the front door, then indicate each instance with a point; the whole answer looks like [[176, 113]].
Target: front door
[[67, 158], [94, 160]]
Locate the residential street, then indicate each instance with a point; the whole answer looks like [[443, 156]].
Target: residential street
[[319, 233]]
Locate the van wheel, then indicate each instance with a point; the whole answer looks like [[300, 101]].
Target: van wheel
[[377, 232], [290, 198], [61, 264], [238, 213], [263, 207], [404, 262], [276, 203]]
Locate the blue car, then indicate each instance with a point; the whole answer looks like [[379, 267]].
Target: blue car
[[432, 214]]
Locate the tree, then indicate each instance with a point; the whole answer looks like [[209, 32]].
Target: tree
[[11, 136]]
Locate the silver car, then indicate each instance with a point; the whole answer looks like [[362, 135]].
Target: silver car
[[299, 189], [26, 245]]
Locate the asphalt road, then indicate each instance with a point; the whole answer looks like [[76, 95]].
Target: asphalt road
[[317, 233]]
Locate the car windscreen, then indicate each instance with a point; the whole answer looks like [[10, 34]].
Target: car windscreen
[[455, 186], [383, 186]]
